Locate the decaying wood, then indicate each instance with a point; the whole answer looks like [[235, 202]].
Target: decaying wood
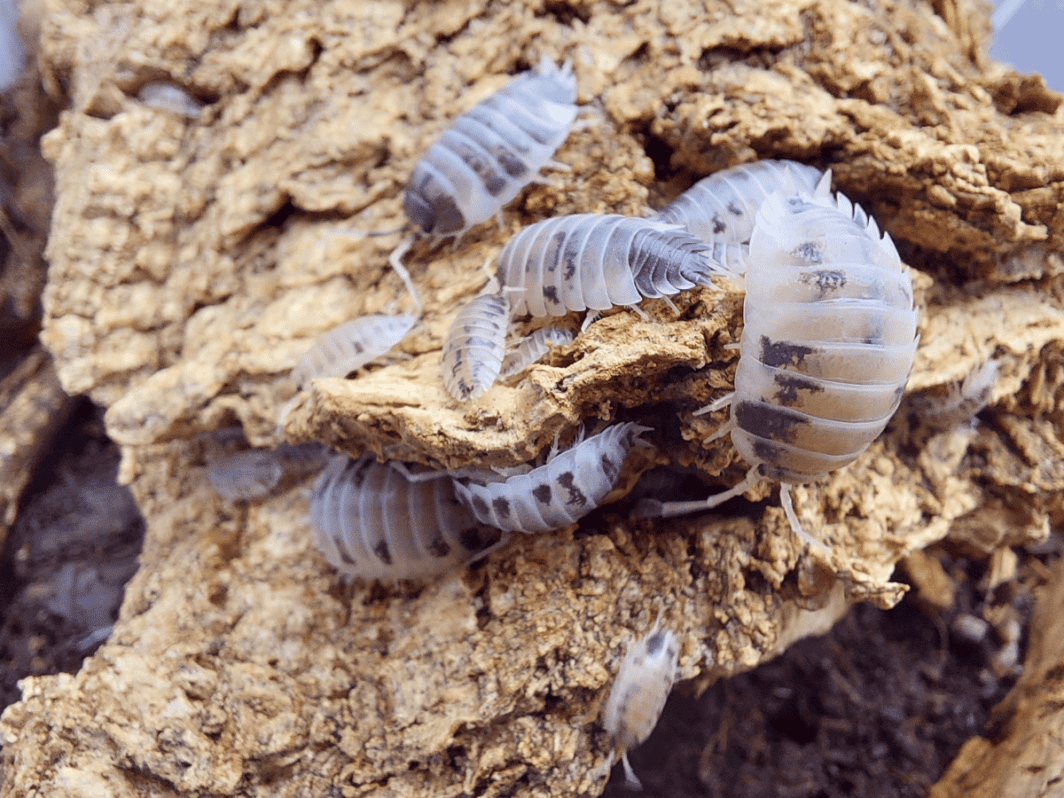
[[194, 259]]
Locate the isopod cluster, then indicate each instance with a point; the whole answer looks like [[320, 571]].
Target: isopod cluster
[[828, 342]]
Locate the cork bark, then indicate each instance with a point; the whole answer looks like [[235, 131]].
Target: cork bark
[[193, 259]]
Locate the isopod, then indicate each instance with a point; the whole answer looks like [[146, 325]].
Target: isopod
[[351, 345], [827, 347], [643, 683], [492, 152], [591, 261], [566, 488], [474, 346], [252, 474], [375, 522], [723, 206], [533, 348]]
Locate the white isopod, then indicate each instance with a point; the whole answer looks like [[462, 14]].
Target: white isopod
[[827, 347], [251, 474], [533, 348], [723, 206], [351, 345], [474, 346], [635, 702], [569, 486], [492, 152], [591, 261], [375, 522]]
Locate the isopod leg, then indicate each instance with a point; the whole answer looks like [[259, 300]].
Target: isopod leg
[[653, 508], [792, 518], [395, 260], [717, 404], [629, 775]]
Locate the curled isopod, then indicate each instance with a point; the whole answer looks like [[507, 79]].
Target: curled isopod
[[723, 206], [351, 345], [375, 522], [474, 346], [827, 346], [591, 261], [643, 683], [533, 348], [492, 152], [569, 486]]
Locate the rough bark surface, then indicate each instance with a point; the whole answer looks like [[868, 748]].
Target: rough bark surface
[[193, 260], [1025, 755]]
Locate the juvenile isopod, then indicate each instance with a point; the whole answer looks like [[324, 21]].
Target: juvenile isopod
[[643, 683], [533, 348], [569, 486], [723, 206], [474, 346], [827, 346], [375, 522], [591, 261], [251, 474], [492, 152], [351, 345]]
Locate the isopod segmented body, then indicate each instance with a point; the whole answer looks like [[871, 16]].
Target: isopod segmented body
[[592, 261], [827, 347], [723, 207], [492, 152], [252, 474], [351, 345], [569, 486], [474, 347], [371, 521], [533, 348], [643, 683]]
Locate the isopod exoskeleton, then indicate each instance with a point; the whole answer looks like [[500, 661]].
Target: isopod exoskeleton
[[492, 151], [252, 474], [372, 521], [591, 261], [351, 345], [569, 486], [723, 206], [643, 683], [474, 347], [827, 347]]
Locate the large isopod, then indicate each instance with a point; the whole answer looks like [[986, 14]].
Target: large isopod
[[569, 486], [827, 347], [723, 207], [591, 261], [374, 522], [492, 151]]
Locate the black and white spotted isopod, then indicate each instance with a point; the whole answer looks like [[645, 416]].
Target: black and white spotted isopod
[[827, 347], [591, 261], [723, 207], [372, 521], [492, 152], [569, 486], [474, 346]]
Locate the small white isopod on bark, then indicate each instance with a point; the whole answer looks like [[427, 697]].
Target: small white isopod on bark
[[638, 695]]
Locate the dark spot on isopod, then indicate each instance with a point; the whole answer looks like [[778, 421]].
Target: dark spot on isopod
[[495, 185], [825, 280], [344, 555], [576, 496], [550, 293], [513, 165], [735, 208], [438, 547], [767, 451], [767, 421], [781, 353], [553, 252], [502, 507], [475, 538], [718, 225], [382, 552], [809, 251], [480, 507], [788, 385], [654, 643], [541, 493], [449, 219]]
